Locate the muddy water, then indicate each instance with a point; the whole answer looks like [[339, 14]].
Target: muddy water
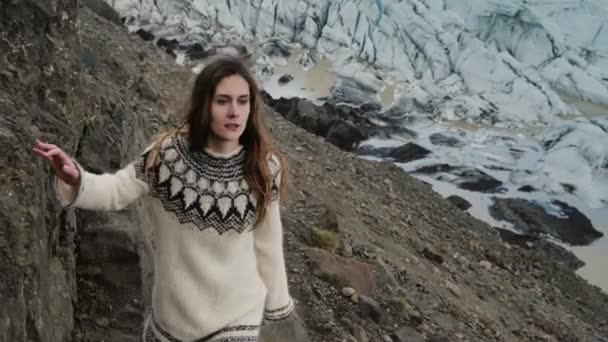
[[588, 109], [314, 83]]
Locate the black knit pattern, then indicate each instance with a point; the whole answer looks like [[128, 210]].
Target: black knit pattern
[[243, 333], [199, 188]]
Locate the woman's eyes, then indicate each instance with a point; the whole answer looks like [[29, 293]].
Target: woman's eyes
[[224, 102]]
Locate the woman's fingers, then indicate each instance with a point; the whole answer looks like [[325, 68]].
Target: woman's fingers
[[59, 159], [44, 146], [62, 165], [42, 154], [55, 155], [50, 147], [41, 145], [39, 152], [59, 154]]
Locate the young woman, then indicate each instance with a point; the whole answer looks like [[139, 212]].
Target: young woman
[[214, 187]]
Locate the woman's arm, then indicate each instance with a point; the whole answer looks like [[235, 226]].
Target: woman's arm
[[76, 187], [271, 264], [268, 236], [108, 191]]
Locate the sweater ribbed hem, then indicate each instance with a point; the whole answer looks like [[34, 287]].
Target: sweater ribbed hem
[[279, 313], [60, 188], [153, 332]]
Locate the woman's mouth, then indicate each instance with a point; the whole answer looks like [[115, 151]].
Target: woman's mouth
[[232, 126]]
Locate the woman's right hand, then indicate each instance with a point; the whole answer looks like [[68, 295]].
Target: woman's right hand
[[61, 164]]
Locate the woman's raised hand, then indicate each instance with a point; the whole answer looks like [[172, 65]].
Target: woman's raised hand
[[62, 165]]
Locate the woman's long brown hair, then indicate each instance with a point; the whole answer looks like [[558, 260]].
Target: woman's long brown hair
[[196, 128]]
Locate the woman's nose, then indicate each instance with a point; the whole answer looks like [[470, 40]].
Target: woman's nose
[[232, 112], [235, 110]]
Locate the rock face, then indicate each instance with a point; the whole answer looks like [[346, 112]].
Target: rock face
[[38, 82], [416, 266], [126, 103], [77, 89]]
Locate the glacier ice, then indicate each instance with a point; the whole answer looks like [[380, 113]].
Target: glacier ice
[[502, 58]]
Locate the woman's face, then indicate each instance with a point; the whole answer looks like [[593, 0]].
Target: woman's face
[[230, 109]]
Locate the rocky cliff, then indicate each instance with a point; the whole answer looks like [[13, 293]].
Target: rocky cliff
[[372, 253]]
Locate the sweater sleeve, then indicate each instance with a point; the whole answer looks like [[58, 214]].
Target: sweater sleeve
[[108, 191], [268, 236]]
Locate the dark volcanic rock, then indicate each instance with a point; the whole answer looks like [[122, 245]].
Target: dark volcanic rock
[[408, 153], [527, 188], [436, 168], [285, 79], [145, 35], [542, 246], [335, 124], [467, 178], [170, 44], [459, 202], [571, 226], [197, 51], [569, 188], [368, 150], [445, 140], [392, 130], [344, 134]]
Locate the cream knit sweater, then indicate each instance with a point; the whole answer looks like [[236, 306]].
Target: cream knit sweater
[[215, 276]]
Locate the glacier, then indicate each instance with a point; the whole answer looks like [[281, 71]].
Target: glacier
[[476, 60]]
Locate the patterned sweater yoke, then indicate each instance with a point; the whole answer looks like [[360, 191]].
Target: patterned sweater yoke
[[203, 188], [217, 273]]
